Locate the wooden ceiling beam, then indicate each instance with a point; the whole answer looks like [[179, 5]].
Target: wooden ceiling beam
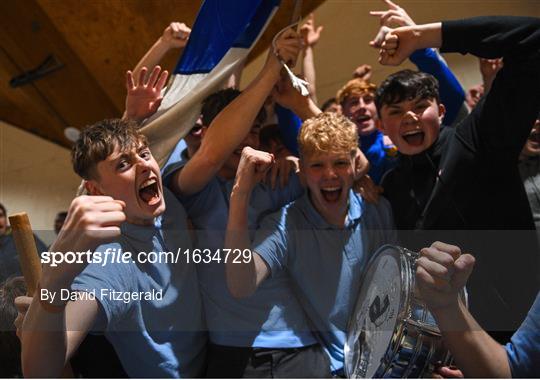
[[111, 36], [25, 107], [96, 41], [27, 37]]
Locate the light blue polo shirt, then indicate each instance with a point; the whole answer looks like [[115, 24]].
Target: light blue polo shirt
[[153, 338], [325, 262], [524, 349], [272, 317], [178, 154]]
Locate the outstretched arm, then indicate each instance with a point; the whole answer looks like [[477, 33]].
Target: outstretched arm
[[144, 94], [516, 38], [291, 109], [49, 340], [396, 45], [53, 329], [451, 93], [442, 271], [243, 278], [310, 35], [231, 125], [175, 36]]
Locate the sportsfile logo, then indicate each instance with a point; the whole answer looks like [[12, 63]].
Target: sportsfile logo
[[118, 256]]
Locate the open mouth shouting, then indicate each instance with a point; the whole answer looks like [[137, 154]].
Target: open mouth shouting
[[331, 194], [363, 119], [414, 137], [364, 123], [196, 131], [149, 192]]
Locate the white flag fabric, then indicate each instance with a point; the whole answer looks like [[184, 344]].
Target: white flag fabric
[[223, 34]]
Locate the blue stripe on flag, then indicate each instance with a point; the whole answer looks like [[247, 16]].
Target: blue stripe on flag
[[246, 39], [218, 26]]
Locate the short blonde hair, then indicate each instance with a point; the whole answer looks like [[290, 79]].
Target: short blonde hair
[[327, 132], [355, 86]]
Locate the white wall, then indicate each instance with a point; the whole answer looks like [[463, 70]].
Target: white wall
[[35, 177]]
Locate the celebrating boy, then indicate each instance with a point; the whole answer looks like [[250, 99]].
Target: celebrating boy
[[160, 332], [466, 178], [322, 241]]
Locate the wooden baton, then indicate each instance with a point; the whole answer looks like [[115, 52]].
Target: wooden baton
[[28, 256], [26, 248]]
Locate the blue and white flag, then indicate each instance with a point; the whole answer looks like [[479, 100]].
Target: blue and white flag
[[221, 38]]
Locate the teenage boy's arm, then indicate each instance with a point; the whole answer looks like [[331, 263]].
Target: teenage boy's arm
[[501, 122], [451, 93], [292, 108], [175, 36], [243, 278], [143, 94], [49, 340], [516, 37], [286, 96], [52, 331], [442, 271], [231, 125], [311, 36]]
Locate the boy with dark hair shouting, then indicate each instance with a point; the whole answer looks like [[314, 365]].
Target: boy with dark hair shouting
[[466, 178]]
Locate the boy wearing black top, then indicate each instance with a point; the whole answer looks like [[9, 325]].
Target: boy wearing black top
[[453, 181]]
